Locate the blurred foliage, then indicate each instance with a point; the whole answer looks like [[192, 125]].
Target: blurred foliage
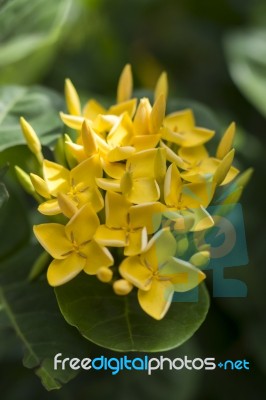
[[42, 42]]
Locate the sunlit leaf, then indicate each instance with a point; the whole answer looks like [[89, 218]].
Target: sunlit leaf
[[246, 55]]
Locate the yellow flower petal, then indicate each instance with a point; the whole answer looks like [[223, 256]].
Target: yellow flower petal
[[89, 143], [40, 186], [128, 106], [92, 109], [226, 141], [56, 177], [73, 121], [143, 163], [62, 271], [197, 137], [172, 186], [125, 84], [183, 275], [133, 270], [53, 239], [180, 121], [148, 215], [109, 184], [145, 142], [224, 167], [111, 237], [143, 191], [202, 219], [157, 300], [86, 172], [157, 114], [161, 87], [142, 118], [137, 241], [121, 133], [66, 205], [120, 153], [91, 195], [82, 225], [195, 195], [161, 246], [72, 98], [49, 207], [172, 156], [193, 155], [114, 170], [116, 210], [97, 257]]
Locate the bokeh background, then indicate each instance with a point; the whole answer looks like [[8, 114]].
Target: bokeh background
[[215, 56]]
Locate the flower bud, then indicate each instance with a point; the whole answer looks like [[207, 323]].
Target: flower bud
[[104, 274], [182, 245], [200, 259], [122, 287], [31, 138], [40, 186]]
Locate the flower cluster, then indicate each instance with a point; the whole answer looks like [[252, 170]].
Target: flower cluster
[[134, 183]]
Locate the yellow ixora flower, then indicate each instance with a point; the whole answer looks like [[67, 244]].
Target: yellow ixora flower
[[78, 184], [73, 247], [139, 182], [158, 274]]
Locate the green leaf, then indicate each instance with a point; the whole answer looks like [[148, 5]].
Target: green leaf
[[118, 323], [14, 224], [33, 313], [29, 32], [246, 55], [3, 194], [38, 105]]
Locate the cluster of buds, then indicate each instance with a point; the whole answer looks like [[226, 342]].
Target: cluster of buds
[[130, 187]]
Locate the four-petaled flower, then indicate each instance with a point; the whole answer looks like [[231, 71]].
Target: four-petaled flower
[[158, 274], [73, 247]]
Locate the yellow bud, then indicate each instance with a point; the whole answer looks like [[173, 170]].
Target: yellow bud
[[200, 259], [157, 114], [142, 118], [125, 84], [24, 180], [40, 186], [182, 245], [161, 87], [89, 143], [32, 139], [224, 167], [226, 142], [72, 98], [71, 160], [67, 206], [243, 179], [160, 164], [104, 274], [122, 287]]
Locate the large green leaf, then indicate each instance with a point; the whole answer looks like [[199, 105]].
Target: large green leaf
[[39, 106], [34, 315], [14, 226], [29, 32], [118, 323], [246, 55]]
